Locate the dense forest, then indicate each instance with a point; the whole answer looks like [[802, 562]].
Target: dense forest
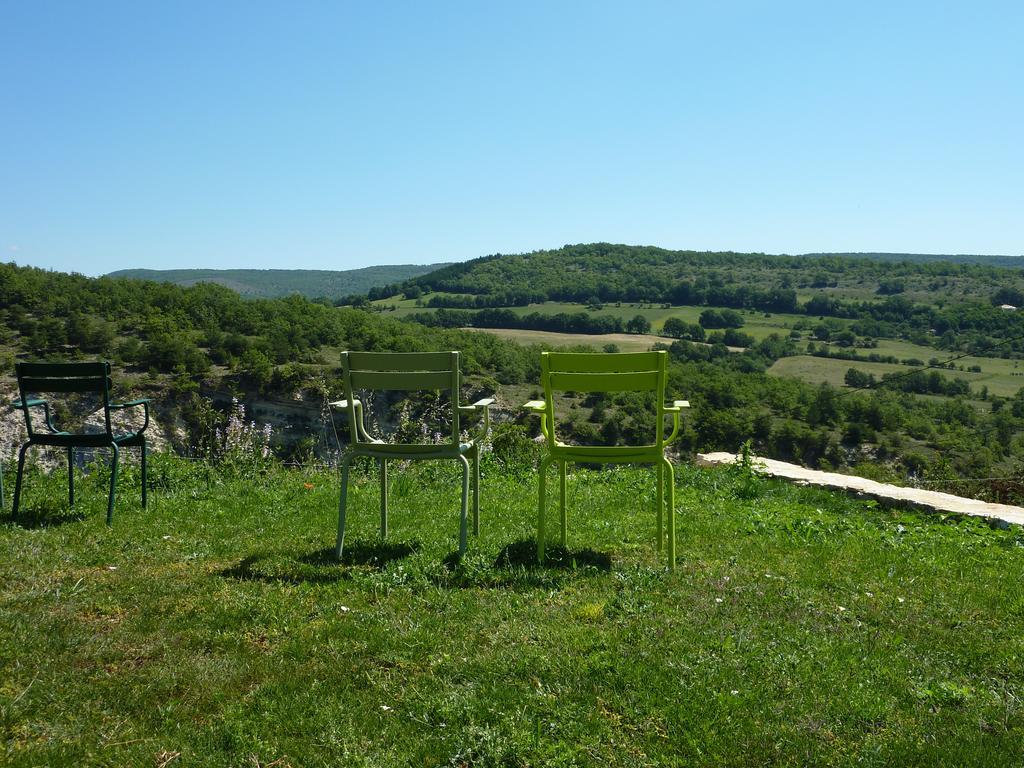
[[924, 428]]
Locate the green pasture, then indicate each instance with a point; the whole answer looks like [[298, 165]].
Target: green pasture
[[215, 629], [756, 323], [626, 342], [996, 374]]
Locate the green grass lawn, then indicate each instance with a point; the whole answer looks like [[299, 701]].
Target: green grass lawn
[[801, 627]]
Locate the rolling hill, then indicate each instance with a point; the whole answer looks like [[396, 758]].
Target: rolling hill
[[272, 283]]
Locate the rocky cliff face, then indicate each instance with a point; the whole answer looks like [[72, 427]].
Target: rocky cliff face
[[303, 422], [298, 421], [72, 415]]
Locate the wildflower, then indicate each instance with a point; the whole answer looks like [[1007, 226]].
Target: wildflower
[[308, 486]]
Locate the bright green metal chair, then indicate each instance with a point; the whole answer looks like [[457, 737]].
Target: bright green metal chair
[[607, 372], [77, 378], [412, 372]]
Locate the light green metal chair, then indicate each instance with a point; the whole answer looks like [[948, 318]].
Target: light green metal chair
[[607, 372], [408, 371]]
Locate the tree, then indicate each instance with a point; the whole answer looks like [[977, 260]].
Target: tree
[[674, 327], [639, 324], [846, 338], [721, 318], [256, 367], [858, 379]]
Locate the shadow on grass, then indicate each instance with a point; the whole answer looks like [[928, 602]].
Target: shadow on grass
[[317, 567], [375, 553], [274, 568], [48, 516], [523, 554], [516, 568]]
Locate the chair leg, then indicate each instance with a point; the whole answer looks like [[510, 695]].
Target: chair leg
[[17, 480], [464, 515], [113, 483], [383, 498], [71, 476], [144, 484], [670, 514], [341, 507], [476, 491], [561, 502], [661, 502], [541, 534]]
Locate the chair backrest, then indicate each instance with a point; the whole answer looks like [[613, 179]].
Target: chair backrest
[[604, 372], [64, 378], [401, 371]]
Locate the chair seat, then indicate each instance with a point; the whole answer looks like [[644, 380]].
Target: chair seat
[[88, 440], [412, 451], [623, 454]]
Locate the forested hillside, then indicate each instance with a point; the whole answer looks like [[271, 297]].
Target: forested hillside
[[271, 283], [608, 272], [937, 304], [922, 427]]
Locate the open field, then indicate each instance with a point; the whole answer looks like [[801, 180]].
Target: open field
[[800, 628], [626, 342], [1001, 376], [757, 324], [820, 369]]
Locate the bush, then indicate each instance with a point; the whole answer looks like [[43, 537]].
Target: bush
[[512, 447]]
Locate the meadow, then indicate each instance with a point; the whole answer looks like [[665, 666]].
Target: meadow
[[626, 342], [996, 374], [756, 324], [1002, 376], [216, 629]]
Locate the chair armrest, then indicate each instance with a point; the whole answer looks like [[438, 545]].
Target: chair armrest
[[675, 410], [144, 402], [24, 405], [484, 404], [359, 427], [487, 402], [27, 403], [132, 403], [539, 408], [344, 404]]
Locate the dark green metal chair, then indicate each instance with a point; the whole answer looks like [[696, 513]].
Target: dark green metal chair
[[410, 372], [75, 378]]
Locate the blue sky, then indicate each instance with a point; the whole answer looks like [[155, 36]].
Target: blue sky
[[336, 135]]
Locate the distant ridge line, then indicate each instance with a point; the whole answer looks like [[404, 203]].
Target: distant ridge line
[[274, 283]]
